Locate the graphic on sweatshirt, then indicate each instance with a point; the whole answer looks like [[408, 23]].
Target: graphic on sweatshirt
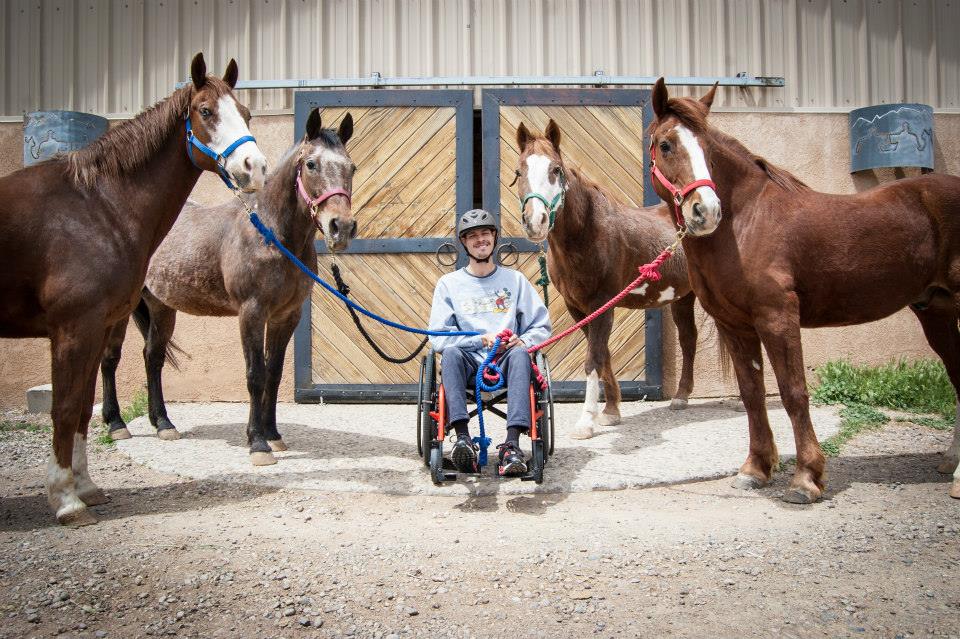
[[500, 301]]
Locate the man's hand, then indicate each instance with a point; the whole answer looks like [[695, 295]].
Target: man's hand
[[514, 342], [488, 339]]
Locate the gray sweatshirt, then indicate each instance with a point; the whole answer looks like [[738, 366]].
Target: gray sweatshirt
[[503, 299]]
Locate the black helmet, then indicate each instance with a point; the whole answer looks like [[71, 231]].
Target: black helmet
[[476, 219]]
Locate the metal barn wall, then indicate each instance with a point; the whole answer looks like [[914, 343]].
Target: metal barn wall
[[115, 57]]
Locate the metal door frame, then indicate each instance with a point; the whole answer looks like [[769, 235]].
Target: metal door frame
[[651, 387], [305, 390]]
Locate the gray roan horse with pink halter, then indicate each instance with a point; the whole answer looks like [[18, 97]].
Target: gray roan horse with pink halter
[[215, 263]]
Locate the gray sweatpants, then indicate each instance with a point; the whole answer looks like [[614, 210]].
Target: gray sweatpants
[[459, 371]]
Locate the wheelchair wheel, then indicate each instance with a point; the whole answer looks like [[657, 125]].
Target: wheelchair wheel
[[538, 460], [436, 464], [545, 403], [426, 429]]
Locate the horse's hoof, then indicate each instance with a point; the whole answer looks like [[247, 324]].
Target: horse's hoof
[[120, 433], [947, 466], [608, 419], [747, 482], [77, 518], [94, 498], [276, 445], [678, 404], [262, 459], [800, 495], [955, 490], [582, 433], [168, 434]]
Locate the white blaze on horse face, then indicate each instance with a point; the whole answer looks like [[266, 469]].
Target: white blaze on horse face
[[537, 223], [704, 195], [247, 164]]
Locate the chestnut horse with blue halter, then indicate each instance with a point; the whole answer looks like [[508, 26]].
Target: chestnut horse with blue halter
[[779, 256], [77, 232], [215, 263], [596, 244]]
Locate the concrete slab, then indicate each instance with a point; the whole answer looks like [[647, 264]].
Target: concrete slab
[[350, 448], [40, 399]]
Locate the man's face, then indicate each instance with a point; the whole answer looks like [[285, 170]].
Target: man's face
[[479, 242]]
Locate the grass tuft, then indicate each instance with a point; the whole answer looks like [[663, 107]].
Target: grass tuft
[[916, 387], [854, 419], [137, 408]]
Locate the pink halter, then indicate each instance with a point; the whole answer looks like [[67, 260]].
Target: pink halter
[[323, 197]]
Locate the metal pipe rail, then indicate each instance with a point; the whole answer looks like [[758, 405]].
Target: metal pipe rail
[[598, 79]]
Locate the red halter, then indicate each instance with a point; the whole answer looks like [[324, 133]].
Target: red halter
[[679, 195], [320, 199]]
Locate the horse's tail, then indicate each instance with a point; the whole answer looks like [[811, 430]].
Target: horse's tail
[[724, 362], [141, 317]]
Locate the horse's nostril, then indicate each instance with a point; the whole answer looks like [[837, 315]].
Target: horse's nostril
[[698, 212], [333, 228], [247, 164], [353, 229]]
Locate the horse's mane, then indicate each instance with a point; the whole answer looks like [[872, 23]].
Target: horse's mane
[[129, 145], [693, 114]]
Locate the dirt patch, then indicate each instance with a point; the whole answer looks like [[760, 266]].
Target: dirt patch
[[204, 558]]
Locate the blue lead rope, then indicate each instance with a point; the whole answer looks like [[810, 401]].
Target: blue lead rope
[[270, 238], [483, 442]]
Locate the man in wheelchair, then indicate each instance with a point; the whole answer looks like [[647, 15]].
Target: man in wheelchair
[[487, 298]]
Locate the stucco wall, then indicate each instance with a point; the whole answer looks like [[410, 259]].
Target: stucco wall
[[814, 146]]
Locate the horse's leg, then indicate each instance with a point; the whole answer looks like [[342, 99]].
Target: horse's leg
[[87, 491], [583, 429], [76, 350], [163, 320], [780, 334], [279, 332], [611, 385], [744, 348], [108, 370], [252, 331], [939, 324], [683, 317]]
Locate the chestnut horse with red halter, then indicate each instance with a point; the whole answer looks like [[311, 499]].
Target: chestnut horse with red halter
[[77, 232], [782, 256], [596, 244], [215, 263]]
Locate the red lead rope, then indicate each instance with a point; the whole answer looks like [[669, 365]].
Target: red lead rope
[[649, 272]]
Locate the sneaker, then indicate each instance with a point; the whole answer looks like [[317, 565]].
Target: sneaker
[[511, 459], [464, 456]]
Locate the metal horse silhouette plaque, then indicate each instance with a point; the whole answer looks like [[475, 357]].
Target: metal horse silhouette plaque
[[47, 133], [891, 135]]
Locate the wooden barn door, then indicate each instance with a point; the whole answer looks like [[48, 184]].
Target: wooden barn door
[[602, 134], [414, 157]]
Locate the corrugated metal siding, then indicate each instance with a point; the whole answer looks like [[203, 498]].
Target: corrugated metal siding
[[118, 56]]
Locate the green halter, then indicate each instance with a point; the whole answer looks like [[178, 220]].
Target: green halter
[[553, 206]]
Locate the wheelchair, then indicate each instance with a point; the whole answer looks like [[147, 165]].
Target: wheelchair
[[432, 420]]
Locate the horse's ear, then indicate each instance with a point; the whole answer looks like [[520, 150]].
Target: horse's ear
[[553, 134], [231, 74], [198, 71], [707, 98], [313, 124], [345, 131], [660, 98], [523, 136]]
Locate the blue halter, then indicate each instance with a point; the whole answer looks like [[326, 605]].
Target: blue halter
[[219, 158]]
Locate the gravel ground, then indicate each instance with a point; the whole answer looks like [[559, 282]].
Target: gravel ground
[[877, 557]]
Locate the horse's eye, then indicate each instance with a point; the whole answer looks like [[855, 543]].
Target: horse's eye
[[556, 170], [665, 146], [353, 168], [205, 112], [311, 165]]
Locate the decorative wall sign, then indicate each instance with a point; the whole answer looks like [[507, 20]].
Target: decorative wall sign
[[891, 135], [46, 133]]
